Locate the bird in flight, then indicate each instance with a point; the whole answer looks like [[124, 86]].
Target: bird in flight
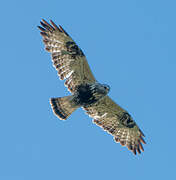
[[86, 91]]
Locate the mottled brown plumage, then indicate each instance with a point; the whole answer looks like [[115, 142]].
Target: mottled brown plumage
[[67, 57], [72, 66], [110, 116]]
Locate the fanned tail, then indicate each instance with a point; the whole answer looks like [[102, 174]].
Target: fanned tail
[[63, 106]]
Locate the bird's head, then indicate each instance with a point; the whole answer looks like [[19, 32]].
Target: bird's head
[[106, 88], [101, 89]]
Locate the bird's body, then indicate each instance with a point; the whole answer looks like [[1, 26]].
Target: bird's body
[[71, 64], [87, 94]]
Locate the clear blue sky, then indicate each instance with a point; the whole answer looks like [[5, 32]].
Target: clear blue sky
[[130, 45]]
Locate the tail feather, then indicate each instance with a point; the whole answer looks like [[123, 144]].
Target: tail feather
[[62, 107]]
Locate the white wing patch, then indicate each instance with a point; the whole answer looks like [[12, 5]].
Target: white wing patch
[[69, 74]]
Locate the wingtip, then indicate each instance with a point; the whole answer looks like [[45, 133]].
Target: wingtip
[[54, 25], [44, 21], [41, 29], [142, 133], [138, 149], [134, 151], [62, 29], [142, 140], [44, 34], [140, 145], [46, 25]]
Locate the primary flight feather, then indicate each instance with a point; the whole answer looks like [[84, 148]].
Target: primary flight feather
[[71, 64]]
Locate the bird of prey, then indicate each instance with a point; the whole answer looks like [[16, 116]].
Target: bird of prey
[[86, 91]]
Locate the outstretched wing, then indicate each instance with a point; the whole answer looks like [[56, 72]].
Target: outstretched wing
[[116, 121], [67, 57]]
